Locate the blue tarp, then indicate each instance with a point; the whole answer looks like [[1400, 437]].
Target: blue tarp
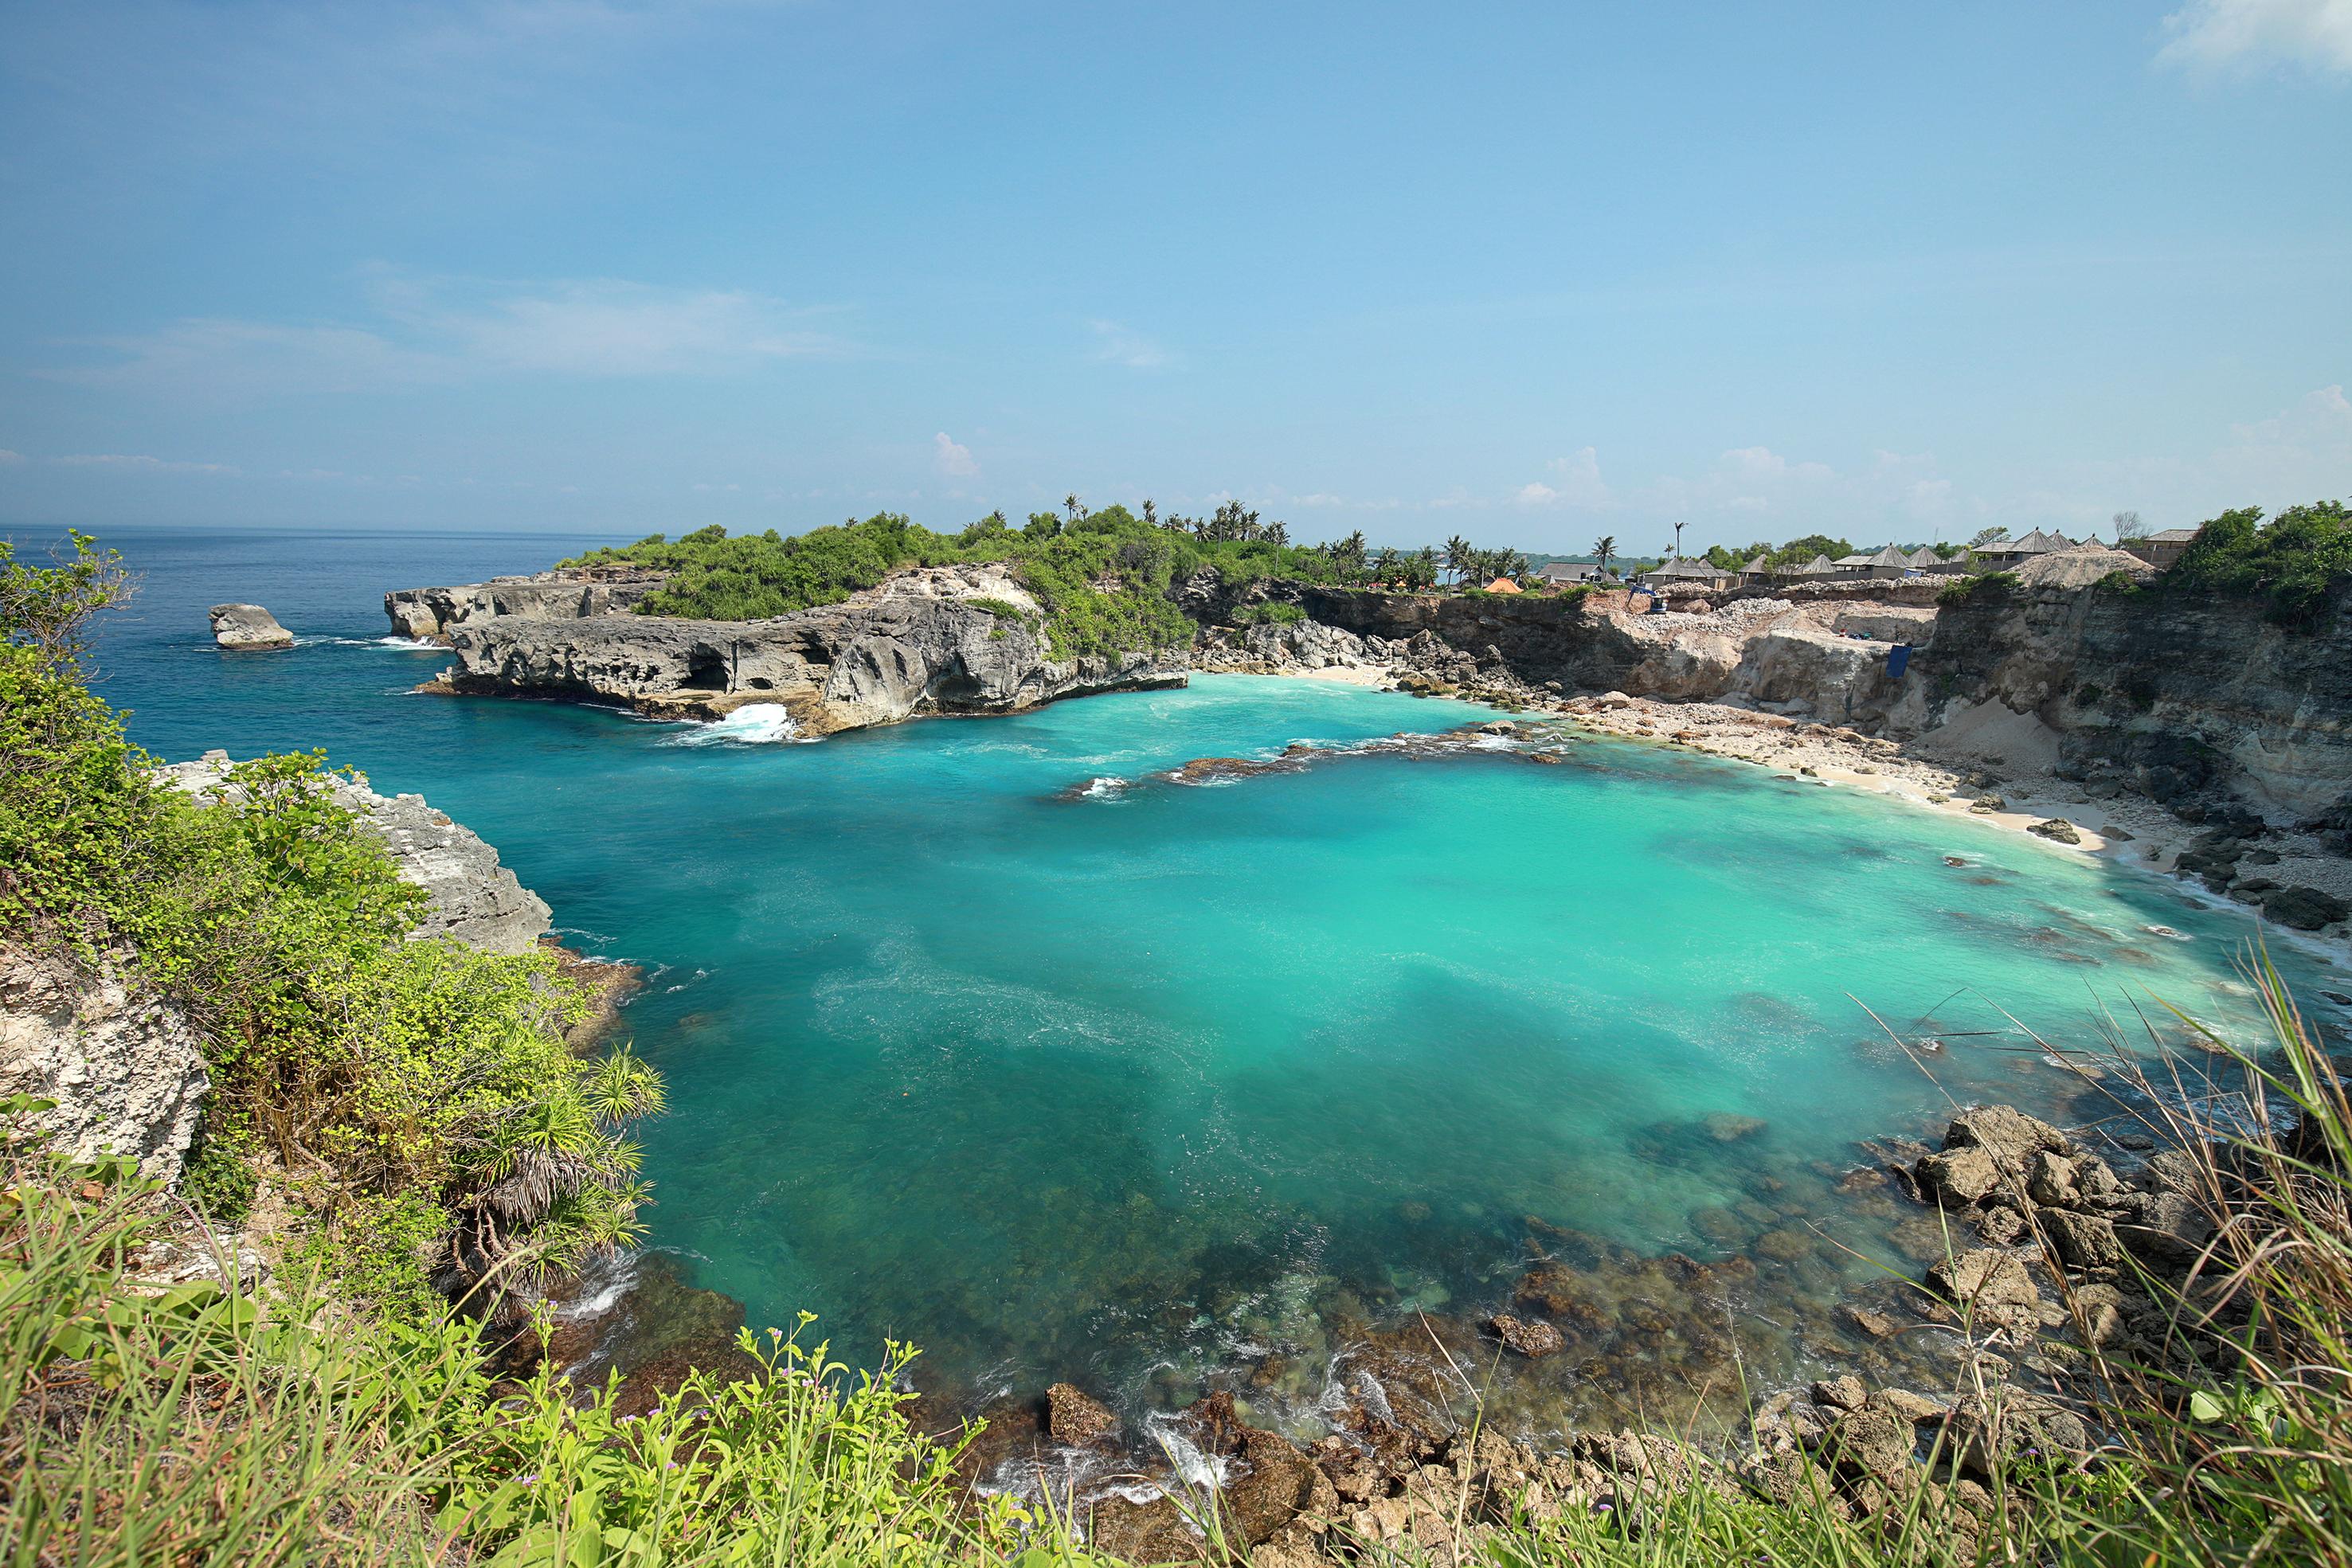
[[1898, 659]]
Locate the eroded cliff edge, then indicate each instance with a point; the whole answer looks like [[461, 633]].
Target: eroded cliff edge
[[937, 639], [125, 1068]]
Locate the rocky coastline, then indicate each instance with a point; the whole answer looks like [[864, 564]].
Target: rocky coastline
[[940, 639], [2045, 1241], [2001, 716], [2082, 704]]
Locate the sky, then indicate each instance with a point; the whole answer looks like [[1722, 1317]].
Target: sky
[[1528, 274]]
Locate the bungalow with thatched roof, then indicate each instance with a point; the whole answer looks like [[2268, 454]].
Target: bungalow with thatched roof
[[1696, 575]]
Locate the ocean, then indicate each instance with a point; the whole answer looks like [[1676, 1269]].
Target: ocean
[[984, 1035]]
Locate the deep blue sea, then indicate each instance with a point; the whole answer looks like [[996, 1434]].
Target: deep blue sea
[[1156, 1085]]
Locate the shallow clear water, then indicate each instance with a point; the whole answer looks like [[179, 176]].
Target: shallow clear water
[[1142, 1084]]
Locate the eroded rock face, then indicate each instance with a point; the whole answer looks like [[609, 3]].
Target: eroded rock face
[[245, 626], [965, 639], [469, 895], [566, 593], [2189, 699], [122, 1065]]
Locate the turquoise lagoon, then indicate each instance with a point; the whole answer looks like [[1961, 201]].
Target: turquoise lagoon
[[1146, 1085]]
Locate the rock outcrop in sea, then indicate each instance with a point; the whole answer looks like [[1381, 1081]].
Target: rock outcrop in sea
[[248, 626], [938, 640]]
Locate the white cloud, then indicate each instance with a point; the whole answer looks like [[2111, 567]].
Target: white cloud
[[10, 459], [2314, 33], [1575, 482], [704, 487], [141, 462], [1118, 345], [435, 331], [953, 458], [606, 327], [1763, 463]]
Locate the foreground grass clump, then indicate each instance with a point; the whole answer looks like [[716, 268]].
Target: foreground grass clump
[[195, 1425]]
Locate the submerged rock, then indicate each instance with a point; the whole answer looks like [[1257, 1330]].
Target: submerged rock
[[248, 626], [1532, 1340]]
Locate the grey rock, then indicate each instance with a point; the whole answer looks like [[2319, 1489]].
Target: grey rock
[[916, 644], [2057, 830], [2303, 908], [566, 593], [124, 1066], [246, 626], [2082, 1241], [1958, 1178]]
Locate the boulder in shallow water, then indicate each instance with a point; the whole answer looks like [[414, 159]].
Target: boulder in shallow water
[[248, 626], [2057, 830], [1533, 1340], [2303, 908], [1078, 1419]]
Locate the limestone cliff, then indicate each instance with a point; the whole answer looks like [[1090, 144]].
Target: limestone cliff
[[2196, 700], [566, 593], [962, 639], [123, 1067]]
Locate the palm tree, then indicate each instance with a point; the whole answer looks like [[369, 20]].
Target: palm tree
[[1150, 513], [1605, 546], [1461, 558], [1071, 502]]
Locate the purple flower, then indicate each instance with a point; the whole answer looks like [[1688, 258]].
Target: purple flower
[[529, 1480]]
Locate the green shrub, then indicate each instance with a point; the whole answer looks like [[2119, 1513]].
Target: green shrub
[[1960, 590], [1103, 578], [1270, 613], [2298, 561]]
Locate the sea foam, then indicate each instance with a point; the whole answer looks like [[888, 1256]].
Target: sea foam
[[754, 724]]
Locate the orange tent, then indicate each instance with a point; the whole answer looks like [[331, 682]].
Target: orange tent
[[1504, 585]]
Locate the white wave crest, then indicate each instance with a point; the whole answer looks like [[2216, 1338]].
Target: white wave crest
[[753, 724]]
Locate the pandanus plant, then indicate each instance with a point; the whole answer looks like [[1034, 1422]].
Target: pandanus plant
[[556, 1184]]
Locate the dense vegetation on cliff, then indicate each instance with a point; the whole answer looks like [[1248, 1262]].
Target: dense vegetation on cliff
[[2296, 560], [413, 1096], [1105, 578]]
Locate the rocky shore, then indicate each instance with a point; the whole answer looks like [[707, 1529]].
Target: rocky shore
[[2079, 705], [2046, 1240]]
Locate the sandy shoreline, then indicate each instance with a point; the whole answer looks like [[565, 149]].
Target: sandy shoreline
[[2129, 831]]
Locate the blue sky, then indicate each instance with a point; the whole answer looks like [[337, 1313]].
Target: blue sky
[[1532, 273]]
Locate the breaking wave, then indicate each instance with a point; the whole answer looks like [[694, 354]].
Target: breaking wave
[[754, 724]]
